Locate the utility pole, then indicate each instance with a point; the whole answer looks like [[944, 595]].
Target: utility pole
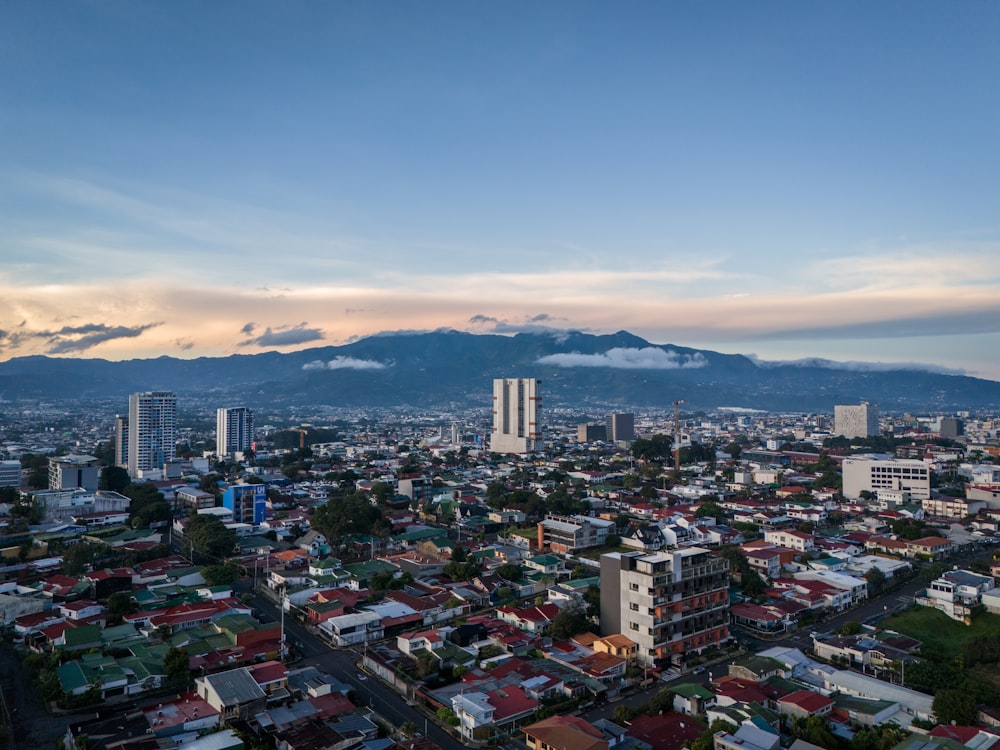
[[677, 440]]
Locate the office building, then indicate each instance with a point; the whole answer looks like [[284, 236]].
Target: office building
[[591, 433], [10, 473], [248, 502], [517, 410], [951, 427], [873, 474], [855, 421], [73, 472], [670, 603], [234, 430], [152, 430], [620, 427], [121, 441]]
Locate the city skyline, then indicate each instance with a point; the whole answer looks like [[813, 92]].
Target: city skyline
[[781, 180]]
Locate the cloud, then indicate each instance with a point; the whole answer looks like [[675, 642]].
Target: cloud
[[91, 335], [529, 324], [855, 366], [345, 363], [647, 358], [285, 336], [248, 329], [184, 345]]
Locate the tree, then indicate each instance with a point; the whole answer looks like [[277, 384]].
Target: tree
[[710, 510], [209, 537], [177, 668], [876, 579], [814, 729], [851, 627], [121, 603], [706, 740], [510, 572], [114, 479], [220, 575], [954, 706], [569, 621], [592, 598]]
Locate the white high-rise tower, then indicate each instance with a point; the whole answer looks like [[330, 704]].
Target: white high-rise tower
[[234, 430], [517, 409], [152, 430]]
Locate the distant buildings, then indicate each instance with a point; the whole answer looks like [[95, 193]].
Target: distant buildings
[[620, 427], [152, 430], [234, 430], [670, 603], [591, 433], [855, 421], [872, 474], [10, 473], [517, 408]]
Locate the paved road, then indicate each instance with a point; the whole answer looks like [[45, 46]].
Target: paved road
[[343, 664]]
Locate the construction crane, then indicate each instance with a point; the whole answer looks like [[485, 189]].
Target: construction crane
[[302, 436], [677, 439]]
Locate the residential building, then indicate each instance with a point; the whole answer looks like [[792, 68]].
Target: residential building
[[234, 694], [620, 427], [234, 430], [874, 473], [121, 441], [517, 407], [248, 502], [855, 421], [567, 534], [74, 471], [956, 593], [564, 733], [670, 603], [152, 430]]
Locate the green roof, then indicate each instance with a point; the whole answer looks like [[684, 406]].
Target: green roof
[[364, 570], [83, 637], [692, 690], [545, 560], [71, 676], [419, 534]]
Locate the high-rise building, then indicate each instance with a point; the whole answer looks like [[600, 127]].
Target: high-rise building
[[121, 441], [517, 410], [234, 430], [591, 433], [855, 421], [74, 471], [620, 427], [670, 603], [152, 430]]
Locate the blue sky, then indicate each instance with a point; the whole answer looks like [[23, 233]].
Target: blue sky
[[784, 179]]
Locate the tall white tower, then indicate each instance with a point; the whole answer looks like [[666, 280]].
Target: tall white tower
[[517, 409], [855, 421], [234, 430], [152, 430]]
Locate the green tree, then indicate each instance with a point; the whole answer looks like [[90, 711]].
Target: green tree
[[510, 572], [814, 729], [710, 510], [208, 537], [954, 707], [592, 598], [114, 479], [706, 740], [876, 580], [851, 627], [121, 603], [220, 575], [177, 668], [569, 621]]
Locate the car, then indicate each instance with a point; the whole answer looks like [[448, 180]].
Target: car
[[697, 670]]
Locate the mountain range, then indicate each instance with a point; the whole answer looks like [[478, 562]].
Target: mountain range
[[455, 369]]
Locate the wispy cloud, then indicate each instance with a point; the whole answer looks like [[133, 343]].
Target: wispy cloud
[[70, 339], [647, 358], [855, 366], [284, 336], [345, 363]]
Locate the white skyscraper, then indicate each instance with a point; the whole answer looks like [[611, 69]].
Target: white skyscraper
[[517, 408], [855, 421], [152, 430], [234, 430]]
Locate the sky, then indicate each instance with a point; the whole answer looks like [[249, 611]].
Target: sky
[[786, 180]]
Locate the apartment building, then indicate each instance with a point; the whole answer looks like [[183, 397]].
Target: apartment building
[[152, 430], [670, 603], [517, 409], [567, 534], [855, 421], [234, 430]]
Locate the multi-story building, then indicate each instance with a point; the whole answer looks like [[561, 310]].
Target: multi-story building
[[234, 430], [567, 534], [248, 502], [74, 471], [670, 603], [10, 473], [121, 441], [620, 427], [152, 430], [871, 474], [591, 433], [517, 411], [855, 421]]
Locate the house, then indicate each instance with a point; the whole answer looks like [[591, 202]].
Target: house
[[804, 703], [564, 733], [934, 547], [234, 694]]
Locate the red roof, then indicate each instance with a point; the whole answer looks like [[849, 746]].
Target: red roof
[[510, 701], [807, 700], [671, 731]]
